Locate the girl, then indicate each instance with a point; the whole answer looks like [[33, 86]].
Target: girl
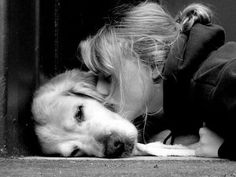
[[150, 63]]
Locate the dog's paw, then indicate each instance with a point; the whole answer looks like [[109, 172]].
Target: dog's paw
[[160, 149]]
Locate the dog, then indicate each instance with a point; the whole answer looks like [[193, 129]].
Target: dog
[[73, 119]]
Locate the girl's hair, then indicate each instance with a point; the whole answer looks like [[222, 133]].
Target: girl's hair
[[145, 34], [194, 13]]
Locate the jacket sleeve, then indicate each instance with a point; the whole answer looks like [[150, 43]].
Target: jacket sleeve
[[225, 96]]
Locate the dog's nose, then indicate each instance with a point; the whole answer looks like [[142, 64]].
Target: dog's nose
[[114, 147], [117, 146]]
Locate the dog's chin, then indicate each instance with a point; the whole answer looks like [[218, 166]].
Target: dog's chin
[[112, 145], [106, 148]]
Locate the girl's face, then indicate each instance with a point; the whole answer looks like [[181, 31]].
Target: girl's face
[[138, 93]]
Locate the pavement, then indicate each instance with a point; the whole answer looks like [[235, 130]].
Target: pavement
[[143, 166]]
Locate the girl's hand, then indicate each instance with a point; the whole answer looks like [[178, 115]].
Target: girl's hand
[[208, 144]]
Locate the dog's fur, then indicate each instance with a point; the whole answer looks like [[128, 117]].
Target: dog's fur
[[71, 119]]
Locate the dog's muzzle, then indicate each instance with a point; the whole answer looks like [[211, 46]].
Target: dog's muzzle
[[116, 145]]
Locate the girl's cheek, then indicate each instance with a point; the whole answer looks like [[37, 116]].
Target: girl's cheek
[[103, 87]]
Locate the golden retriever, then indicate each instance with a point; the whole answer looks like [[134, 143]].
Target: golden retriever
[[72, 119]]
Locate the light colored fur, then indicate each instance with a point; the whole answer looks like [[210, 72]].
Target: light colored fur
[[54, 108]]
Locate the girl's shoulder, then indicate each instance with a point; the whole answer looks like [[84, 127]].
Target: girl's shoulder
[[219, 69], [192, 49]]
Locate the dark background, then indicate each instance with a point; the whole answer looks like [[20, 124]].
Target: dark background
[[40, 38], [75, 21]]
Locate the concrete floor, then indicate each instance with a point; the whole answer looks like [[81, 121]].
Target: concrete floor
[[135, 166]]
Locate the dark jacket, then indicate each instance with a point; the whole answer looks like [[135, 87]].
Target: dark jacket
[[200, 85]]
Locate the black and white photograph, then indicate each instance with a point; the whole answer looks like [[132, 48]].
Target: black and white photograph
[[117, 88]]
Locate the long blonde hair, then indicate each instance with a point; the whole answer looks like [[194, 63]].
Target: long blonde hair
[[145, 34]]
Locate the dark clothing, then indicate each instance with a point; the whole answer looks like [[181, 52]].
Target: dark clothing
[[200, 85]]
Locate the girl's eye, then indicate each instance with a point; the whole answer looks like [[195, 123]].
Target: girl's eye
[[108, 78], [79, 114], [110, 106]]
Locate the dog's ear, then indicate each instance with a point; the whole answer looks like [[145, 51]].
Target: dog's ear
[[85, 92], [84, 86]]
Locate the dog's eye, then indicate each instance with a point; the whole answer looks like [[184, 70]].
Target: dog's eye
[[79, 114], [76, 152]]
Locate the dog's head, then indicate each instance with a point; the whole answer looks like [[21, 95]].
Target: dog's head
[[71, 119]]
